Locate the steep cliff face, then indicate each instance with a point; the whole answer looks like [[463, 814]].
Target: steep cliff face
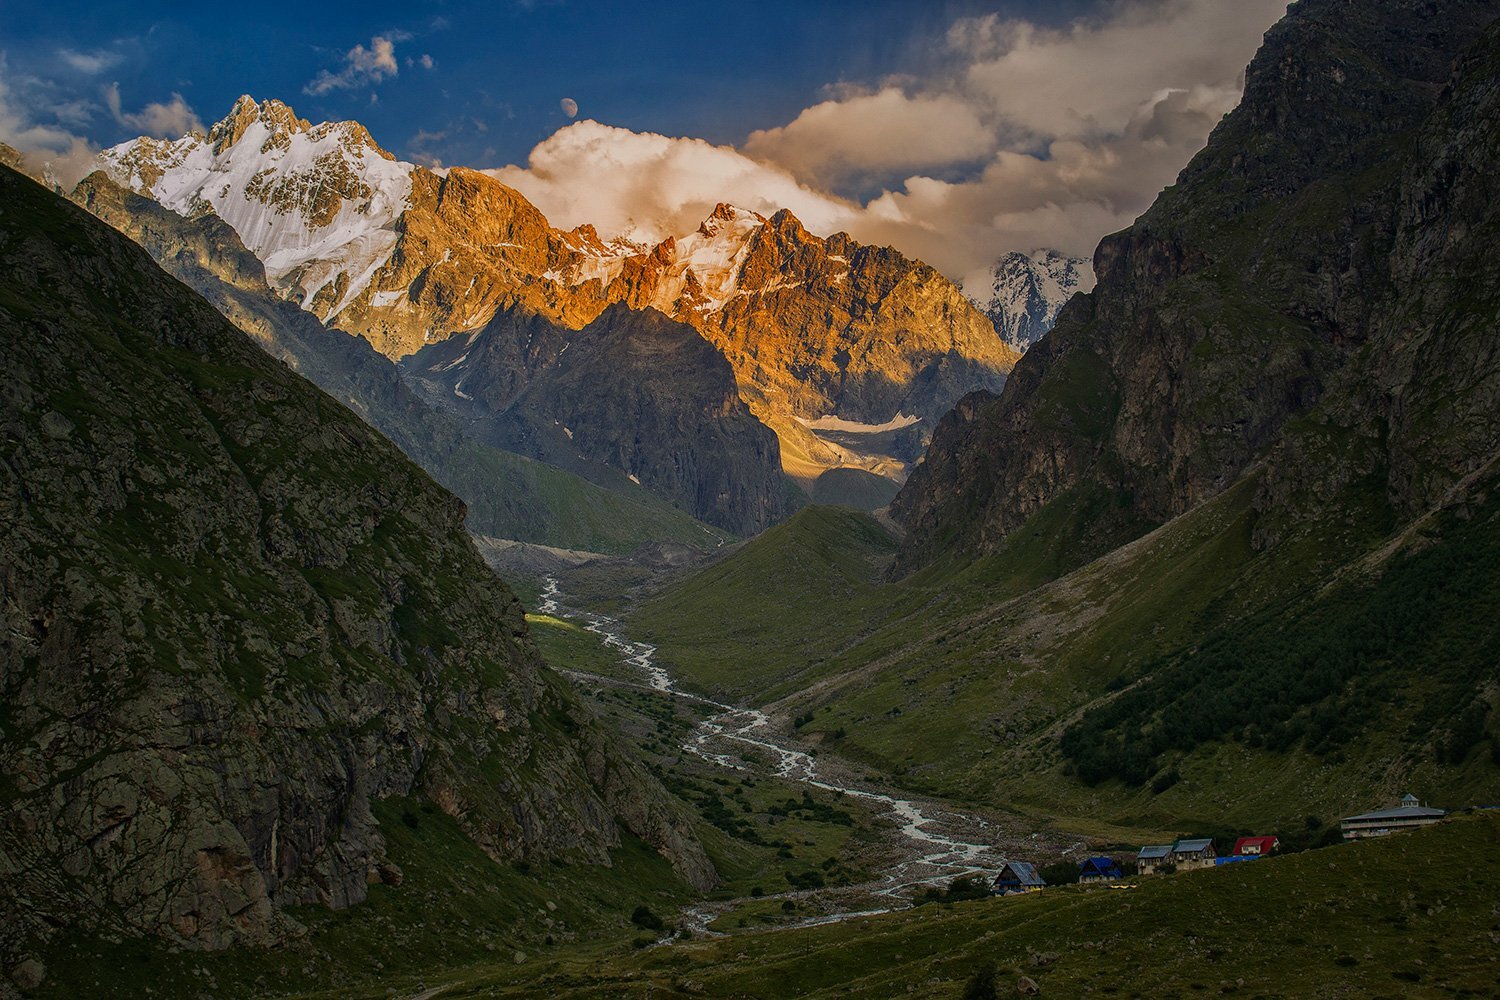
[[1413, 415], [833, 328], [468, 247], [1233, 304], [632, 391], [234, 617], [407, 258]]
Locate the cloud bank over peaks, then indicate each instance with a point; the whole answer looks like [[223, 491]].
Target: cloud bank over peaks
[[646, 187], [874, 135], [1019, 136]]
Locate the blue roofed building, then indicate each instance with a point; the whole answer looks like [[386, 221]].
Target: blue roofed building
[[1099, 870]]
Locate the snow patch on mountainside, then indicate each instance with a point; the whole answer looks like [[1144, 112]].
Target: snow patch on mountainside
[[704, 266], [832, 423], [316, 204]]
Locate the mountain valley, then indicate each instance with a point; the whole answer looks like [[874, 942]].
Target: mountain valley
[[406, 596]]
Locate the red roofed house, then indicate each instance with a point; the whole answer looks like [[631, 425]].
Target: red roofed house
[[1255, 847]]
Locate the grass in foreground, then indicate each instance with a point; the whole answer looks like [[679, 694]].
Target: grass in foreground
[[1412, 915]]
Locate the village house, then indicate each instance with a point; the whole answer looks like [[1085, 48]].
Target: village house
[[1016, 877], [1099, 870], [1409, 814], [1149, 859], [1190, 854], [1254, 847]]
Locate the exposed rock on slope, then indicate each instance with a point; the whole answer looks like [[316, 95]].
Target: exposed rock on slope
[[1234, 303], [633, 391], [507, 495], [1418, 406], [234, 616], [407, 258], [834, 328]]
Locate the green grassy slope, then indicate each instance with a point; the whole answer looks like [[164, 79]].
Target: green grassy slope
[[1407, 916], [531, 501], [964, 682], [773, 614]]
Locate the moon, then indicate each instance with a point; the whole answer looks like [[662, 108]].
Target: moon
[[569, 107]]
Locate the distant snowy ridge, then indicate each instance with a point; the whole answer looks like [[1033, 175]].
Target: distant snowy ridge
[[407, 258], [319, 205], [1026, 291]]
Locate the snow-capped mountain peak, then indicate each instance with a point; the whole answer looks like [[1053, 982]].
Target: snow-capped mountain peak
[[1026, 291], [316, 203], [699, 271]]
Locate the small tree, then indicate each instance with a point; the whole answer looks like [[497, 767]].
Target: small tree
[[1060, 873]]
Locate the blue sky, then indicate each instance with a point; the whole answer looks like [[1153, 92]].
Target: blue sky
[[499, 70], [954, 130]]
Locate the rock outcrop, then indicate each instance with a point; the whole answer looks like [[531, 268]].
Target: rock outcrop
[[1249, 292], [235, 616], [632, 391]]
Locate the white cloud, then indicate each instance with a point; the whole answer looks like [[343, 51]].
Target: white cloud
[[46, 148], [1069, 198], [1020, 137], [647, 186], [169, 120], [1090, 78], [89, 63], [874, 134], [361, 66]]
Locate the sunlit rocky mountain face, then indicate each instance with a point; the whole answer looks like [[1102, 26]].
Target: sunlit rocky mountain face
[[848, 353]]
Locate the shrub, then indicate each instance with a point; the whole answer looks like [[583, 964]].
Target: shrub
[[981, 985], [812, 879], [643, 917]]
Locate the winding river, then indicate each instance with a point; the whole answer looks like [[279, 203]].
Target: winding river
[[933, 856]]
